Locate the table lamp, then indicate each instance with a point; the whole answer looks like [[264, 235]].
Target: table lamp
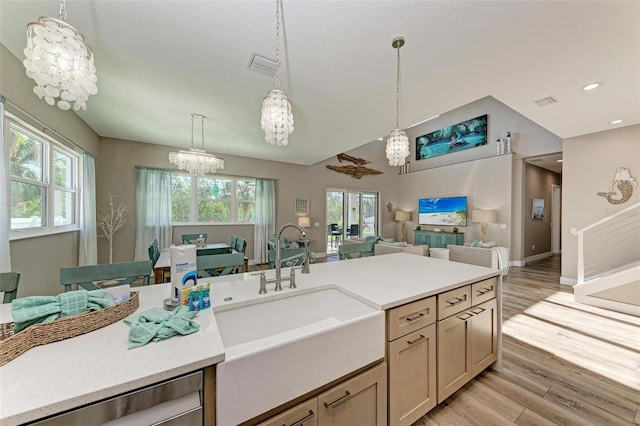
[[403, 217], [484, 217], [304, 222]]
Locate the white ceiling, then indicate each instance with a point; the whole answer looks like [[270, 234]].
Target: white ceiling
[[159, 61]]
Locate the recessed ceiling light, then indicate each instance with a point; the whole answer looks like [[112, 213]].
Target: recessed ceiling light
[[618, 121], [591, 86]]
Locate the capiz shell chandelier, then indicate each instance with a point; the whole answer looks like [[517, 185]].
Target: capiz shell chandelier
[[398, 142], [60, 62], [277, 114], [196, 161]]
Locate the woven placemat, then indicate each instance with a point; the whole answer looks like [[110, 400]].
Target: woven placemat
[[13, 345]]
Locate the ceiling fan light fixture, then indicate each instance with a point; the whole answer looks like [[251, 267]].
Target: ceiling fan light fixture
[[60, 62]]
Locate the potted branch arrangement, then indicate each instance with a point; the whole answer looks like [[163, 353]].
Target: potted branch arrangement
[[110, 221]]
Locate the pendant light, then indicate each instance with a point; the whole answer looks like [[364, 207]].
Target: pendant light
[[397, 142], [196, 161], [277, 114]]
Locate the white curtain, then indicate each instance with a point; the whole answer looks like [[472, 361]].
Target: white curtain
[[153, 209], [265, 218], [5, 222], [88, 253]]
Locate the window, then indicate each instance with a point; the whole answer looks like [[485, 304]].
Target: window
[[43, 176], [212, 199]]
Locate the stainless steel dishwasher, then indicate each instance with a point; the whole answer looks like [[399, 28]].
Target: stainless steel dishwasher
[[177, 402]]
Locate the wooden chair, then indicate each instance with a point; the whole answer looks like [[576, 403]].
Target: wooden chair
[[9, 285], [351, 251], [191, 238], [288, 256], [87, 276], [219, 264]]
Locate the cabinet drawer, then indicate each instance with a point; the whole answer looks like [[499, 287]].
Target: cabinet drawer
[[483, 290], [303, 414], [408, 318], [454, 301]]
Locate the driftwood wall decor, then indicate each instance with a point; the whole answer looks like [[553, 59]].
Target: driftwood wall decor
[[356, 171], [624, 182]]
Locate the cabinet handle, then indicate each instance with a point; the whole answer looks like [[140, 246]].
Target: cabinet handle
[[478, 310], [419, 339], [466, 316], [456, 300], [415, 317], [484, 290], [346, 396], [304, 419]]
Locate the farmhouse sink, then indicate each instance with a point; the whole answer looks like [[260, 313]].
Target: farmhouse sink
[[279, 349]]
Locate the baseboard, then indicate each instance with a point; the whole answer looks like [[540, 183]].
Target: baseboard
[[519, 263], [568, 281], [537, 256]]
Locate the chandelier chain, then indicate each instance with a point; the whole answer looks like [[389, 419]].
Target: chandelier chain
[[398, 89], [278, 5], [202, 130], [63, 10], [192, 119]]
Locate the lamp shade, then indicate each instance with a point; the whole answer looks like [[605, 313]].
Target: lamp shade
[[402, 216], [304, 222], [483, 216]]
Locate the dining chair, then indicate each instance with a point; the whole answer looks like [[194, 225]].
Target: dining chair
[[87, 276], [352, 251], [232, 241], [354, 230], [9, 285], [214, 265], [154, 252], [288, 257], [241, 245], [191, 238]]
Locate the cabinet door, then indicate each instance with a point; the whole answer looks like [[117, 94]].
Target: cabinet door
[[303, 414], [484, 336], [360, 401], [412, 376], [454, 362]]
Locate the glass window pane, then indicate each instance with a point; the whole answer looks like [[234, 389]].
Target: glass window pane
[[62, 169], [246, 211], [245, 199], [64, 205], [26, 156], [27, 205], [180, 186], [180, 210], [213, 188], [214, 211]]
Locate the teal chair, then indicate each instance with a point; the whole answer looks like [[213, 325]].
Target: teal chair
[[154, 252], [232, 241], [191, 238], [351, 251], [288, 257], [9, 285], [240, 245], [214, 265], [87, 276]]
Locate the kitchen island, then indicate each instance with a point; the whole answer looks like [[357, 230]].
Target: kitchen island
[[64, 375]]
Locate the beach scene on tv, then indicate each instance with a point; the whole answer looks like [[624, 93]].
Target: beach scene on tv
[[468, 134], [450, 211]]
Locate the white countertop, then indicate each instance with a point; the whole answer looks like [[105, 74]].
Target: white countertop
[[59, 376]]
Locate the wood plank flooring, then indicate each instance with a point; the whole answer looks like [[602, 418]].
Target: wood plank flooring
[[563, 363]]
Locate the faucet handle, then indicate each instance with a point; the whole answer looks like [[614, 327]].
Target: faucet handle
[[292, 281], [263, 282]]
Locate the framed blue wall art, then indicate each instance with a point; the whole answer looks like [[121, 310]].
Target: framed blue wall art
[[467, 134]]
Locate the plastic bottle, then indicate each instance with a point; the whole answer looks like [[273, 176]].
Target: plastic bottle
[[205, 299]]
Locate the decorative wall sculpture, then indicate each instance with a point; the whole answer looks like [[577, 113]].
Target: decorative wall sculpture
[[356, 171], [624, 183]]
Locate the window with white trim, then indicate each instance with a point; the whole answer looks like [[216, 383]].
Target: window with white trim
[[43, 175], [212, 199]]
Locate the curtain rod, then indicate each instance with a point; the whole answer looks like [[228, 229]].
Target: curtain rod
[[211, 175], [46, 128]]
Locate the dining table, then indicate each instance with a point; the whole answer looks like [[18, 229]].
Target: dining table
[[162, 268]]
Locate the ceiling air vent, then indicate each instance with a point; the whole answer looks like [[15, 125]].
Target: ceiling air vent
[[262, 65], [549, 100]]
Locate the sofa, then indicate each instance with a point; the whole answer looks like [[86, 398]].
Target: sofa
[[487, 257], [387, 246]]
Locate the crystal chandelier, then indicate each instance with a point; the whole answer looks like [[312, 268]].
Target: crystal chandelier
[[277, 114], [60, 62], [196, 161], [398, 142]]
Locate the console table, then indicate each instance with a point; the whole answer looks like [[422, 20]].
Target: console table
[[437, 239]]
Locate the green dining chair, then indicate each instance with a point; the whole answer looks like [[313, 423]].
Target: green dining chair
[[9, 285], [191, 238], [154, 252], [87, 276], [214, 265], [241, 245]]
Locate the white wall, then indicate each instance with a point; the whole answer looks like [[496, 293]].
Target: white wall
[[589, 165]]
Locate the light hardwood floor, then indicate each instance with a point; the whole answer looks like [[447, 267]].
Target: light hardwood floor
[[563, 363]]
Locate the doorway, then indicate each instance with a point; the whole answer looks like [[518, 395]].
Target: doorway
[[556, 218], [350, 214]]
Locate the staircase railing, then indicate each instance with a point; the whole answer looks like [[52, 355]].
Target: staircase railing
[[609, 243]]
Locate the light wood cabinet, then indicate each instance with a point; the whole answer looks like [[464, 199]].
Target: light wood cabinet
[[467, 344], [411, 354], [361, 400], [303, 414]]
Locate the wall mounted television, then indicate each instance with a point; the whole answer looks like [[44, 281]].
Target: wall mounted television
[[448, 211]]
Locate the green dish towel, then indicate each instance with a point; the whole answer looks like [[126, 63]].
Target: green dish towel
[[157, 324], [31, 310]]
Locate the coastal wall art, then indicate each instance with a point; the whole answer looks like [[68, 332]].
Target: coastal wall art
[[467, 134]]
